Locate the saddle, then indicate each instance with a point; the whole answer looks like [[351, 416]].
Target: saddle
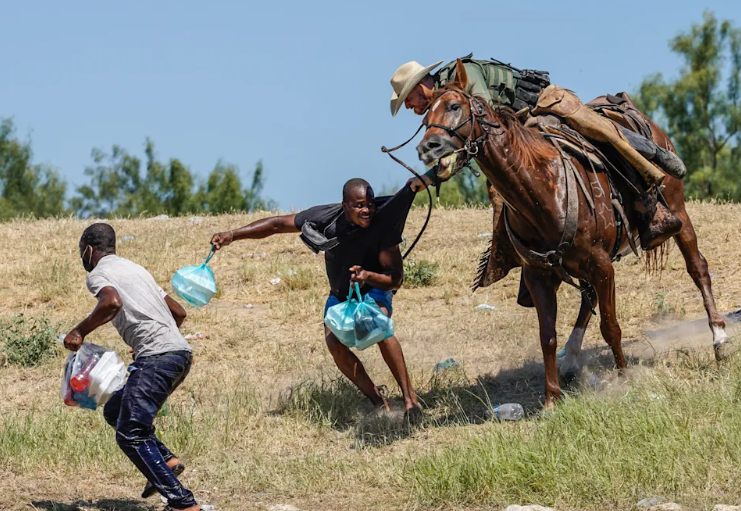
[[500, 256]]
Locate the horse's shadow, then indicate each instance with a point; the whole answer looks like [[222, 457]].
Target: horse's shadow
[[100, 505], [471, 403], [450, 398]]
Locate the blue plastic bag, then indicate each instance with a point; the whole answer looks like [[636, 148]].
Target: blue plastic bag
[[195, 284], [340, 320], [359, 323]]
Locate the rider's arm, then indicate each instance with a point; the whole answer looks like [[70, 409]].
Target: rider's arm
[[256, 230]]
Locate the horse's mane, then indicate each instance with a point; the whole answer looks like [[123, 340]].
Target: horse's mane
[[527, 145]]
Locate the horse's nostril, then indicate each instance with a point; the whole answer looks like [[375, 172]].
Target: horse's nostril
[[432, 145]]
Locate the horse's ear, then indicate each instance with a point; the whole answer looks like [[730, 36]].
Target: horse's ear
[[461, 77]]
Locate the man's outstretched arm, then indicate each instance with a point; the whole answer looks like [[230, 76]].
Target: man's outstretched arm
[[109, 304], [256, 230]]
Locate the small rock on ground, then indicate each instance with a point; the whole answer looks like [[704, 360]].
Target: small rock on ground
[[650, 502], [724, 507], [283, 507], [666, 506], [529, 508]]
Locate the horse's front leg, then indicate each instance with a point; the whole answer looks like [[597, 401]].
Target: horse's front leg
[[569, 363], [603, 280], [543, 286]]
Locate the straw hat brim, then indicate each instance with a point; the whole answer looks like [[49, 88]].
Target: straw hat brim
[[397, 101]]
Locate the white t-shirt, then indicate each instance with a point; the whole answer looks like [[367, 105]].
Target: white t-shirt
[[144, 322]]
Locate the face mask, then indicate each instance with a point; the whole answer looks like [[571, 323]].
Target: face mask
[[88, 265]]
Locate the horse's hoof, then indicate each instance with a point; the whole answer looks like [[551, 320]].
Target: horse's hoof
[[724, 349], [569, 377]]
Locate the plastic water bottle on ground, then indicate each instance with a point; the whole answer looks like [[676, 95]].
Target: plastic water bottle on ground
[[485, 307], [507, 412], [450, 363]]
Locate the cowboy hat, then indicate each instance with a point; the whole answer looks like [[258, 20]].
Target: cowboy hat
[[405, 79]]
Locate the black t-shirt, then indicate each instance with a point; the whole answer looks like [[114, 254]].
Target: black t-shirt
[[357, 245]]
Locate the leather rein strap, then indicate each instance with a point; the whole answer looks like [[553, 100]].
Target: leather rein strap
[[469, 145], [427, 188]]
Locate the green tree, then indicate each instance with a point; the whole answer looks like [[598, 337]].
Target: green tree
[[253, 200], [153, 194], [223, 192], [167, 188], [115, 182], [117, 188], [26, 189], [180, 198], [701, 109]]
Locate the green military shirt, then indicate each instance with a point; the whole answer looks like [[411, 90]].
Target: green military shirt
[[485, 80]]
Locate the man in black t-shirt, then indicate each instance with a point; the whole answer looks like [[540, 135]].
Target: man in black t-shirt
[[361, 242]]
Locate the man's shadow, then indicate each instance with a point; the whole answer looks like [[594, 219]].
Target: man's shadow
[[100, 505]]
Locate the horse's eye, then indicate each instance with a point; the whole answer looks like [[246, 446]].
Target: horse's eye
[[455, 107]]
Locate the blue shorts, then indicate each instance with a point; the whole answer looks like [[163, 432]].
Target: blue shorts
[[381, 297]]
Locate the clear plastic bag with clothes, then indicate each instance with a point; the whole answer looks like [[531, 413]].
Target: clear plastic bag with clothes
[[91, 375], [341, 322], [195, 284], [372, 325], [359, 323]]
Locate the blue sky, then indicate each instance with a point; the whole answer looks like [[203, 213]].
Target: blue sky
[[304, 86]]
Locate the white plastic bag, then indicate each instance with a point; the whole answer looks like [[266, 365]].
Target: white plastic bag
[[92, 374]]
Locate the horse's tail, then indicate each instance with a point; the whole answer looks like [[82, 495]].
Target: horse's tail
[[655, 260]]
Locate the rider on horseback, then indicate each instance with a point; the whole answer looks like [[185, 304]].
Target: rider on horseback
[[528, 92]]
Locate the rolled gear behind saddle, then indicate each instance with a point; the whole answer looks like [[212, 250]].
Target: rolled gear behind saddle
[[563, 103], [637, 129]]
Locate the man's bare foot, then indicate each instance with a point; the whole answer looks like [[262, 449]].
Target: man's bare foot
[[413, 414]]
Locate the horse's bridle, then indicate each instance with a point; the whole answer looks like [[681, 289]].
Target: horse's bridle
[[476, 115], [470, 145]]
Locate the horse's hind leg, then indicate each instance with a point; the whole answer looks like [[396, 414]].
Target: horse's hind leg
[[569, 366], [697, 267], [603, 280]]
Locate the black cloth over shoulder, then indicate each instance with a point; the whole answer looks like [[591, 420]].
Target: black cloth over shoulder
[[325, 228]]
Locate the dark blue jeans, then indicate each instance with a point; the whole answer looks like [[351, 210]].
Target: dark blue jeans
[[131, 411]]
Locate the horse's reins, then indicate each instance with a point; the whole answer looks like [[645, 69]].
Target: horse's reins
[[470, 145], [427, 188]]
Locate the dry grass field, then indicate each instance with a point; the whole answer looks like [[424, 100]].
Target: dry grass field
[[265, 418]]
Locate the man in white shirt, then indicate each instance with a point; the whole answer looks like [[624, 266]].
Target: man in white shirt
[[147, 319]]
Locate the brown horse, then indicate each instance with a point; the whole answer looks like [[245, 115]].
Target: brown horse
[[558, 230]]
